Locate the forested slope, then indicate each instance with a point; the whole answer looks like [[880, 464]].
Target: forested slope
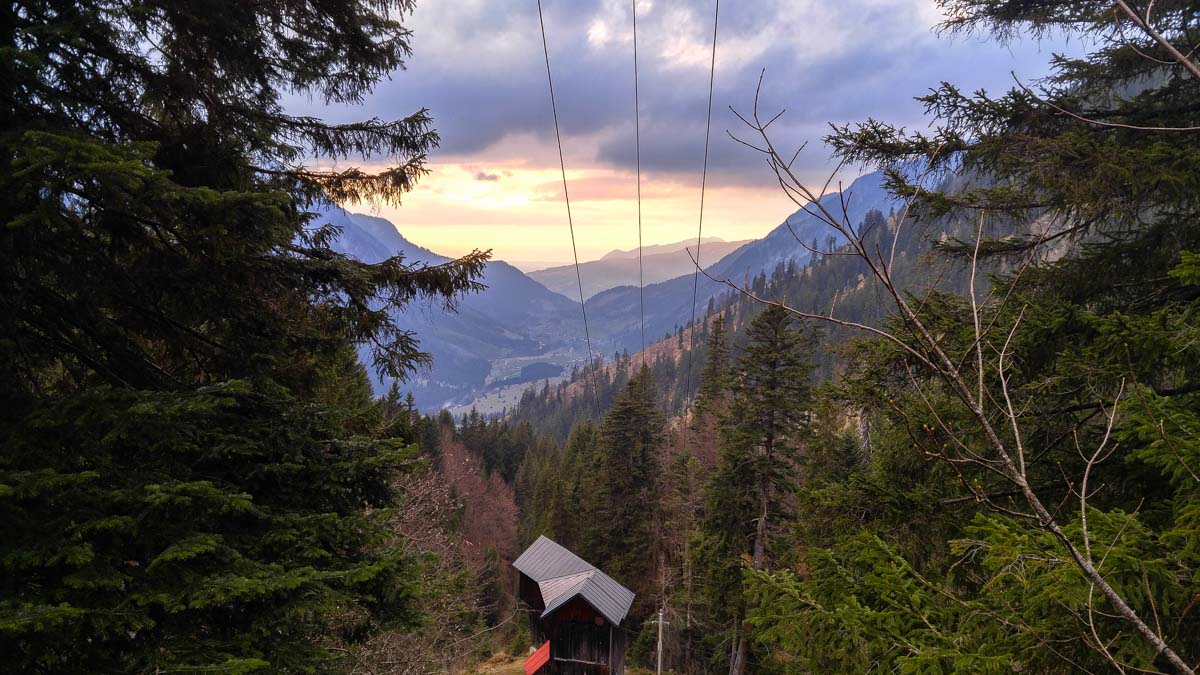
[[963, 441], [510, 315], [669, 304]]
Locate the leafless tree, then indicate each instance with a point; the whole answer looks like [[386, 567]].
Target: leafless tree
[[1145, 22], [450, 636], [1003, 451]]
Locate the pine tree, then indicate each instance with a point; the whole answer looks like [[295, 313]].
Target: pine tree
[[682, 508], [761, 437], [714, 379], [189, 477], [619, 539]]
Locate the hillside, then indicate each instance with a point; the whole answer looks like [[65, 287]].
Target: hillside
[[514, 322], [620, 268], [518, 322], [669, 304], [805, 284]]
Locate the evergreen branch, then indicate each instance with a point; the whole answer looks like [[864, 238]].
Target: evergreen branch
[[1096, 122], [943, 367]]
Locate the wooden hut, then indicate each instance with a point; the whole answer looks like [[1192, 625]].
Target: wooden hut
[[575, 612]]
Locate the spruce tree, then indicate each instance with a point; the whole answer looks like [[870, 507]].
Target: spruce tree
[[714, 378], [770, 410], [627, 465], [1080, 195], [188, 477], [761, 436], [572, 482]]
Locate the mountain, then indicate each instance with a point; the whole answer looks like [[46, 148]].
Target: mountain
[[518, 329], [669, 304], [494, 334], [528, 266], [812, 285], [655, 249], [660, 262]]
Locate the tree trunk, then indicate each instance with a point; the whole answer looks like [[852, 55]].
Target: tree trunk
[[687, 575], [760, 534], [764, 503], [741, 645], [737, 661]]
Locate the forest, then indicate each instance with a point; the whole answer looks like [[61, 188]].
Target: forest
[[964, 437]]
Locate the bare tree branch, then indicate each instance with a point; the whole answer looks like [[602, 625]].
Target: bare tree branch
[[1010, 457], [1144, 24]]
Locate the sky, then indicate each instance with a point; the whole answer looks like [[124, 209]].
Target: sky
[[495, 183]]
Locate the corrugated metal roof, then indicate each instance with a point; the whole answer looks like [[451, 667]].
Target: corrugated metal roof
[[565, 593], [552, 588], [545, 559], [562, 575]]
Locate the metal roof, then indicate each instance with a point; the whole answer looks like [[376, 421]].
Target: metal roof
[[545, 559], [562, 575]]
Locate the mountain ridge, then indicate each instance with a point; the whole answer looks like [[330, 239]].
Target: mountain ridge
[[659, 262], [669, 304], [518, 322], [673, 247], [514, 317]]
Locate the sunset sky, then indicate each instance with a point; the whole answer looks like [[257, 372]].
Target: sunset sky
[[478, 67]]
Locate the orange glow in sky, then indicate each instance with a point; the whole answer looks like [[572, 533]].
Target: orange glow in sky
[[517, 210]]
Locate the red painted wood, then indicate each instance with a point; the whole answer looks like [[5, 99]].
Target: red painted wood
[[538, 659]]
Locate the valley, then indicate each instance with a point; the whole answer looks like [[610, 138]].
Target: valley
[[517, 321]]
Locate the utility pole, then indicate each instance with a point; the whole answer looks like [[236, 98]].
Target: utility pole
[[660, 623]]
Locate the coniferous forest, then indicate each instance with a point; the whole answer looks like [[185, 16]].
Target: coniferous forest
[[964, 436]]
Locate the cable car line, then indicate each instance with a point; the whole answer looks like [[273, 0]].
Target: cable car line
[[703, 182], [570, 222], [637, 135]]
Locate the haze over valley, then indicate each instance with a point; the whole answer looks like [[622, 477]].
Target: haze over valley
[[658, 263], [517, 331]]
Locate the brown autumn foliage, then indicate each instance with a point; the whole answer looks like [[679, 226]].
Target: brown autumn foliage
[[488, 509], [424, 523]]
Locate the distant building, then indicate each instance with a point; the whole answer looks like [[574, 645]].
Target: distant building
[[575, 613]]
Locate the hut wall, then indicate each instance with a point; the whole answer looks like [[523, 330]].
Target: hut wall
[[531, 596], [583, 642]]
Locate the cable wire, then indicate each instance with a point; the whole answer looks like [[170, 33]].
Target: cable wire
[[703, 182], [567, 198], [637, 135]]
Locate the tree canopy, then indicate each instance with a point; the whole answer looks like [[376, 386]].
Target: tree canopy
[[191, 474]]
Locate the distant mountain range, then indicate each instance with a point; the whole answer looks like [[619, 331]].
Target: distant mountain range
[[493, 334], [677, 247], [497, 334], [669, 304], [528, 266], [660, 262]]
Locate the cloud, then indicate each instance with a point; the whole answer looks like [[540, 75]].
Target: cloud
[[485, 176], [478, 66], [593, 188]]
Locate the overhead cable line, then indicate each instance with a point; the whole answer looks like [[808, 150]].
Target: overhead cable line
[[637, 135], [703, 181], [567, 198]]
